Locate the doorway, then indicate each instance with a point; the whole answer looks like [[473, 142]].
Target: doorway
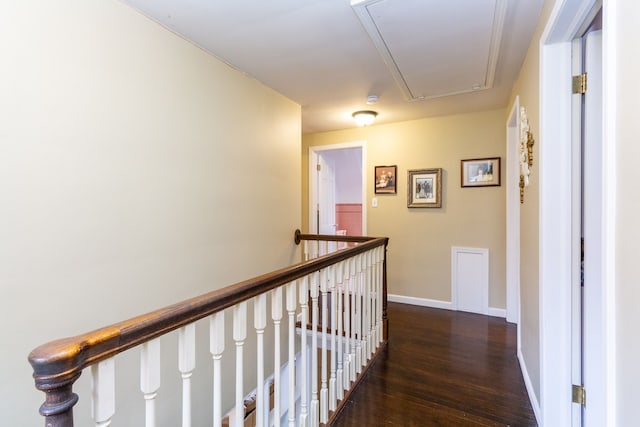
[[587, 280], [337, 190], [562, 226]]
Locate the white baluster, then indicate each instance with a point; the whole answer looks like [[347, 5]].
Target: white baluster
[[366, 299], [322, 248], [374, 300], [291, 311], [358, 317], [259, 323], [324, 391], [276, 315], [363, 314], [304, 306], [150, 378], [381, 295], [103, 392], [347, 325], [305, 250], [186, 364], [239, 335], [373, 289], [334, 314], [339, 351], [377, 280], [314, 414], [353, 284], [216, 347]]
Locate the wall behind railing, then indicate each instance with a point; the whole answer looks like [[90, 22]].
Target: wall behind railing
[[136, 170], [419, 255]]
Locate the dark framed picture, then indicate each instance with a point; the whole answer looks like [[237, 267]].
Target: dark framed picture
[[385, 179], [480, 172], [424, 189]]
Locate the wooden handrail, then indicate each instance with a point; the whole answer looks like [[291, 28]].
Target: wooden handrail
[[330, 237], [58, 364]]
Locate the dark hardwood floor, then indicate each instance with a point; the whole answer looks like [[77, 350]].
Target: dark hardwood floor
[[442, 368]]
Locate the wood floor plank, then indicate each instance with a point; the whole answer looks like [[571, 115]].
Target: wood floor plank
[[442, 368]]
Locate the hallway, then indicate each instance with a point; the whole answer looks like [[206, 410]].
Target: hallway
[[442, 368]]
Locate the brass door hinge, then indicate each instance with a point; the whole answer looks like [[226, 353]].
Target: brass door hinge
[[318, 167], [578, 395], [579, 84]]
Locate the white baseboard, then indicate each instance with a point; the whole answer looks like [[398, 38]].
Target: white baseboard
[[535, 405], [433, 303], [497, 312], [424, 302]]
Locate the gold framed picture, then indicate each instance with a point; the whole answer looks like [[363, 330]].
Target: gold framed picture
[[424, 188]]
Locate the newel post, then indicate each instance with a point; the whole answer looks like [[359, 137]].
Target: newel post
[[59, 399], [385, 321], [56, 366]]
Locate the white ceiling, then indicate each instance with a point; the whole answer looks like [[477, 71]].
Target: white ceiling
[[420, 57]]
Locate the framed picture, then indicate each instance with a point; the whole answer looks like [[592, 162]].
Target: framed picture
[[424, 189], [385, 179], [480, 172]]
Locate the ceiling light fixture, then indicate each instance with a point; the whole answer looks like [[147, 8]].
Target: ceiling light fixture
[[364, 117]]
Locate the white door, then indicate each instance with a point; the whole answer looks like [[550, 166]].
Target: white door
[[326, 196], [588, 335], [593, 333], [567, 21]]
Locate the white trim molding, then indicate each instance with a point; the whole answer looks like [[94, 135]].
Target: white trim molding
[[423, 302], [535, 404], [314, 151], [566, 22], [445, 305]]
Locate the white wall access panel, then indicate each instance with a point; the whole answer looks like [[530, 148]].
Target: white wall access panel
[[470, 279]]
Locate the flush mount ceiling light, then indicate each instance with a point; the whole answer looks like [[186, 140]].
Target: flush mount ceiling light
[[364, 117]]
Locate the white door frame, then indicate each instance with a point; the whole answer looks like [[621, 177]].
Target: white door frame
[[314, 151], [555, 252], [513, 217]]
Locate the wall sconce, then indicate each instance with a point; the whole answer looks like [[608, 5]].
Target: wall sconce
[[364, 117]]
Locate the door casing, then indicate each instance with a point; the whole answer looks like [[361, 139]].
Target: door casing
[[314, 152], [556, 222]]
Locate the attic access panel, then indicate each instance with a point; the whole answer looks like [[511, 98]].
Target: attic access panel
[[436, 48]]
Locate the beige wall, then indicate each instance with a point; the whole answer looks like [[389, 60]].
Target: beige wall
[[419, 263], [527, 89], [624, 33], [135, 171]]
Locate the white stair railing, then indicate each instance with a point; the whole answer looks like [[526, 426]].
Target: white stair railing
[[216, 347], [150, 378], [260, 323], [334, 326], [291, 310], [304, 308], [103, 392], [186, 365], [340, 319], [276, 316], [334, 306], [315, 403], [324, 391]]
